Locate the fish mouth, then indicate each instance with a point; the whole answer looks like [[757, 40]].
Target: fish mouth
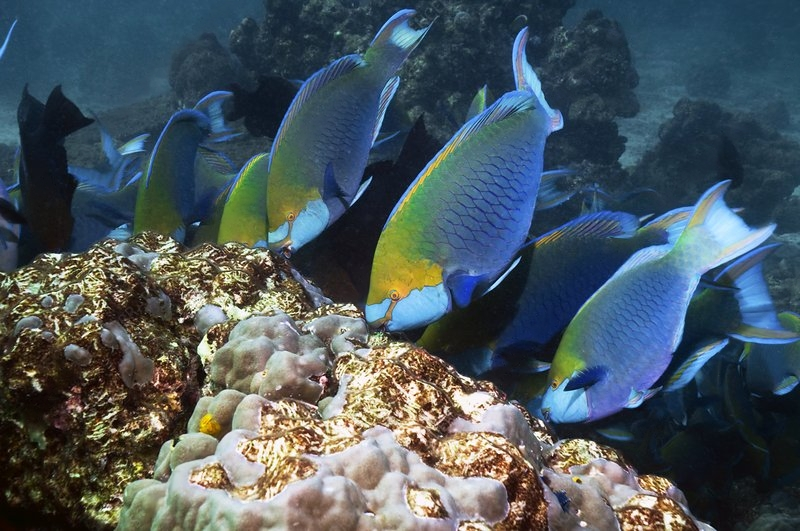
[[382, 322]]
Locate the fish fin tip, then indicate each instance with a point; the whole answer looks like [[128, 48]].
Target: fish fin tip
[[396, 32], [526, 79]]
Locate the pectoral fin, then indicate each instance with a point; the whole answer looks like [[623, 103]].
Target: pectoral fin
[[586, 378]]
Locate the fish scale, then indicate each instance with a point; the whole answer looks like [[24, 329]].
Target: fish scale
[[459, 226]]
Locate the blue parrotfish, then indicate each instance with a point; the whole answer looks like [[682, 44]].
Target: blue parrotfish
[[8, 38], [462, 222], [557, 274], [319, 154], [167, 197], [622, 339]]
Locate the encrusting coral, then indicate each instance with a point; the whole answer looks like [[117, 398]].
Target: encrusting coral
[[305, 419]]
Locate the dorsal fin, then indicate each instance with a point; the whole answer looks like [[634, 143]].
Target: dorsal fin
[[604, 224], [322, 77], [389, 90]]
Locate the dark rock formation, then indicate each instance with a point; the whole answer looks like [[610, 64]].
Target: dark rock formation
[[200, 67], [685, 162]]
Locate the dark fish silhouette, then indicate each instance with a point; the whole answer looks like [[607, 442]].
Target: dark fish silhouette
[[729, 163], [263, 108], [46, 186]]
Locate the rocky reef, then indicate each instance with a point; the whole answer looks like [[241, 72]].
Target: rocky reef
[[150, 386], [586, 71]]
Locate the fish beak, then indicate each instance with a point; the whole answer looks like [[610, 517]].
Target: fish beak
[[381, 323], [563, 407]]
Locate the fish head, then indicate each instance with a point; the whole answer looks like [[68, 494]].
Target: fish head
[[297, 226], [565, 407], [405, 294]]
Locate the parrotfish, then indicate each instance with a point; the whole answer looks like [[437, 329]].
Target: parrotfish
[[244, 216], [167, 198], [622, 339], [46, 186], [464, 219], [774, 368], [319, 154], [557, 274]]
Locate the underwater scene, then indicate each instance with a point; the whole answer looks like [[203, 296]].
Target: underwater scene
[[430, 265]]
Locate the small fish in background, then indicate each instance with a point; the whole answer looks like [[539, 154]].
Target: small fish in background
[[322, 147], [774, 368], [46, 186], [262, 108], [120, 166], [169, 190], [461, 223], [7, 39], [557, 274], [729, 162], [622, 339]]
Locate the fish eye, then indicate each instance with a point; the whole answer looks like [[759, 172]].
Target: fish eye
[[394, 295], [290, 216], [554, 385]]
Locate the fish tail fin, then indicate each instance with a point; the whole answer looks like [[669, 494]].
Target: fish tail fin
[[395, 41], [715, 234], [211, 106], [61, 116], [526, 79], [760, 322]]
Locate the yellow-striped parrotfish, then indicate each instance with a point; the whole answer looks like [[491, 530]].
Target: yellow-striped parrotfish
[[774, 368], [462, 221], [167, 197], [319, 154], [8, 38], [622, 339], [556, 275], [244, 214], [735, 304]]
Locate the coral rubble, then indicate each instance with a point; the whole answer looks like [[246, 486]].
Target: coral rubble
[[305, 419]]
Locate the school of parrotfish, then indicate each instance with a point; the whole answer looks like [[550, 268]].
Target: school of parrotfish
[[603, 312]]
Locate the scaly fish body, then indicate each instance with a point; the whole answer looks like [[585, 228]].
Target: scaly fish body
[[466, 215], [322, 146], [244, 217], [622, 339], [171, 193], [166, 190]]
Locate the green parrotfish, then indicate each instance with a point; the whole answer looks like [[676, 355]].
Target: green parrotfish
[[319, 154], [461, 223]]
